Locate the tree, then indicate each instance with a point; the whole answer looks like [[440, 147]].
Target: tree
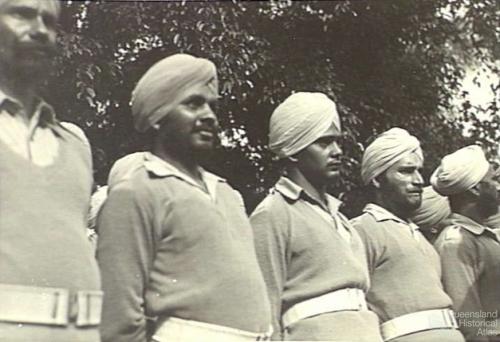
[[386, 63]]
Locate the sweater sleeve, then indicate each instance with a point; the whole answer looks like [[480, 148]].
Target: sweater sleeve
[[369, 243], [270, 234], [459, 262], [125, 252]]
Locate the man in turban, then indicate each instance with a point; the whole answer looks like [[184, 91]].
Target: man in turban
[[406, 290], [49, 279], [312, 260], [431, 216], [470, 251], [175, 245]]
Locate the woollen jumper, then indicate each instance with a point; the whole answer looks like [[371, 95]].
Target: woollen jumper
[[303, 255], [405, 271], [43, 220], [470, 256], [168, 249]]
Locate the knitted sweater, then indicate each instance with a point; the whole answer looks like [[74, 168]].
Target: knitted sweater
[[43, 218], [168, 249]]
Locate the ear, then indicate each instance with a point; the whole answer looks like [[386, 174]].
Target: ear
[[475, 190]]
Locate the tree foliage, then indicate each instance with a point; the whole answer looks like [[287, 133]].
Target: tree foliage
[[386, 63]]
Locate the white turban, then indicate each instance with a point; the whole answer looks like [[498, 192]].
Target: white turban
[[299, 121], [386, 150], [124, 167], [460, 171], [166, 84], [434, 209]]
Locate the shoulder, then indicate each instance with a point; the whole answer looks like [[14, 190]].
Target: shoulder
[[272, 211], [272, 203], [363, 222], [454, 235], [76, 131], [137, 186]]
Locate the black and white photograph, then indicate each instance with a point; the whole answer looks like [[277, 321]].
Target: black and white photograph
[[232, 171]]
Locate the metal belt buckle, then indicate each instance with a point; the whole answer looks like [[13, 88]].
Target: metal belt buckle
[[61, 306], [89, 308]]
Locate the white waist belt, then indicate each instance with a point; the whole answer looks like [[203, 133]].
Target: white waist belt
[[340, 300], [418, 321], [47, 305], [182, 330]]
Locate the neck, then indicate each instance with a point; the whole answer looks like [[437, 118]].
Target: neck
[[317, 191], [399, 212], [184, 162], [21, 90], [470, 210]]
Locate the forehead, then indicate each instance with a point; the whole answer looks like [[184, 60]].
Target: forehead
[[52, 7], [408, 160], [202, 90]]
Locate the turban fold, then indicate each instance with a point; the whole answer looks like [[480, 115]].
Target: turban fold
[[386, 150], [434, 209], [299, 121], [460, 171], [166, 84]]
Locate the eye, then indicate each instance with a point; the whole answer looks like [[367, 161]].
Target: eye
[[325, 142], [195, 102], [23, 13], [50, 21]]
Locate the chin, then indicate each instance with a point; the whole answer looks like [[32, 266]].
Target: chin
[[332, 175], [203, 147], [32, 70], [414, 205]]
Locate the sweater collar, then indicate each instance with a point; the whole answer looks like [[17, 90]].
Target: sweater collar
[[289, 189]]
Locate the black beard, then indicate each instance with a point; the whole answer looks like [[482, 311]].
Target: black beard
[[487, 204]]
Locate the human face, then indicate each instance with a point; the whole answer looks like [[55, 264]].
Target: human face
[[191, 126], [487, 201], [27, 35], [401, 185], [320, 162]]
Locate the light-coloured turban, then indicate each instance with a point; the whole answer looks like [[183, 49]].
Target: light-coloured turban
[[166, 84], [460, 171], [434, 209], [124, 167], [299, 121], [386, 150]]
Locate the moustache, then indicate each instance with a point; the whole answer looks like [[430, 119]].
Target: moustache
[[207, 127], [48, 50]]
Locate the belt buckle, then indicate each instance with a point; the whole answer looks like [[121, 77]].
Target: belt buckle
[[450, 318], [359, 298], [89, 308], [60, 307]]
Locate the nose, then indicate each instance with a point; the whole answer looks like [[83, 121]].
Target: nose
[[209, 118], [335, 149], [418, 179], [40, 32]]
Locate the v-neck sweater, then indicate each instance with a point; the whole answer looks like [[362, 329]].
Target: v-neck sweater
[[43, 218], [168, 249]]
